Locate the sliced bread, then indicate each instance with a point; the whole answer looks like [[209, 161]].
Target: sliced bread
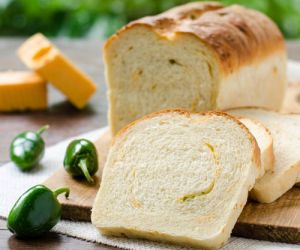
[[264, 141], [285, 132], [178, 177]]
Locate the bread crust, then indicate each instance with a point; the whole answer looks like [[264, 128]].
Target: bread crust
[[236, 35], [256, 150], [269, 150]]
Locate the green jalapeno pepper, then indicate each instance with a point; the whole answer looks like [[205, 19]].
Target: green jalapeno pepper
[[27, 149], [35, 212], [81, 159]]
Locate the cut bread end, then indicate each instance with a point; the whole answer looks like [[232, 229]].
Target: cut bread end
[[150, 75]]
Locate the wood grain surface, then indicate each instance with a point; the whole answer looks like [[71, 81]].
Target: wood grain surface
[[277, 221], [65, 121]]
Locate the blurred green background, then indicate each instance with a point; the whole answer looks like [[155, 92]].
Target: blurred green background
[[101, 18]]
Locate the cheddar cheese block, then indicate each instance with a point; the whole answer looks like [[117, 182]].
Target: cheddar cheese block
[[22, 90], [39, 54]]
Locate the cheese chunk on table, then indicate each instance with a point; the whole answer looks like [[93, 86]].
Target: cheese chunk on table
[[39, 54], [22, 90]]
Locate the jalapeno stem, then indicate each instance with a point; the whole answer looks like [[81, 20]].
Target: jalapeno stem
[[42, 129], [83, 166], [62, 190]]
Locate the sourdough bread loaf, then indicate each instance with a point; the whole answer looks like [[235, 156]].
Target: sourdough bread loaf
[[178, 177], [264, 140], [285, 132], [199, 56]]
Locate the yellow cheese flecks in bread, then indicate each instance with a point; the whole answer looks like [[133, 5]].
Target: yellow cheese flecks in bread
[[22, 90], [39, 54], [177, 177]]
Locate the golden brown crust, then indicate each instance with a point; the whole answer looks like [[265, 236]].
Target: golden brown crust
[[256, 122], [237, 35], [256, 150], [270, 150]]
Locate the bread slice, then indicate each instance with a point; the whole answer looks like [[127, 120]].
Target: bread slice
[[199, 57], [264, 140], [178, 177], [285, 131]]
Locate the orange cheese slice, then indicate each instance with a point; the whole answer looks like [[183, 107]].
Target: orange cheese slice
[[39, 54], [22, 90]]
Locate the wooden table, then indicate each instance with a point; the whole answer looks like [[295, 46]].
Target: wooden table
[[64, 120]]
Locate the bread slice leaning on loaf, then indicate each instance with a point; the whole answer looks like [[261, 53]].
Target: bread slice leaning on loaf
[[199, 56], [285, 132], [177, 177], [264, 140]]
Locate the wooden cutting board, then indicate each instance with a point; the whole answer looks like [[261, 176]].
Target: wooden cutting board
[[278, 221]]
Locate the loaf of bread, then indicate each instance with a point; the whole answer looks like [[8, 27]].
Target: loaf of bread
[[285, 131], [199, 56], [178, 177]]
